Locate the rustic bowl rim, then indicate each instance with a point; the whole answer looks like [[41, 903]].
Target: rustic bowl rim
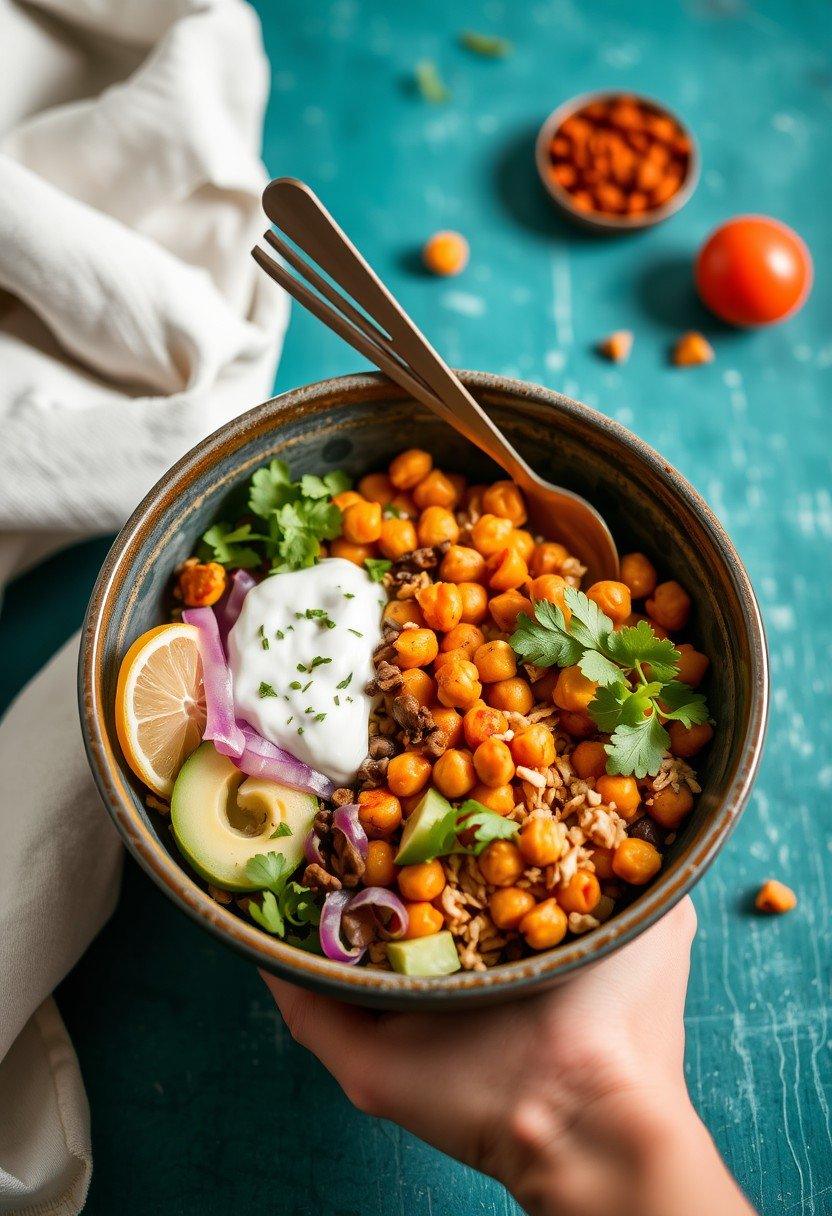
[[364, 985], [597, 220]]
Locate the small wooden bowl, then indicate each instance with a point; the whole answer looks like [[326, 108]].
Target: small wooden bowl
[[358, 423], [600, 221]]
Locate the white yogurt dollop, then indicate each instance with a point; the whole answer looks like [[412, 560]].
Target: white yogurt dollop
[[300, 655]]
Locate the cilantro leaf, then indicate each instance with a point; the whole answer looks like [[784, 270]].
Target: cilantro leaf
[[271, 487], [324, 487], [267, 871], [230, 546], [679, 702], [607, 705], [545, 641], [598, 669], [638, 644], [589, 625], [298, 905], [377, 567], [488, 825], [281, 830], [637, 750], [267, 914]]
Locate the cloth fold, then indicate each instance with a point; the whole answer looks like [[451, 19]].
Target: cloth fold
[[132, 323]]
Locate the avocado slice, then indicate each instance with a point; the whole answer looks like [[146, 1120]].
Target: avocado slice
[[221, 818], [434, 955], [422, 836]]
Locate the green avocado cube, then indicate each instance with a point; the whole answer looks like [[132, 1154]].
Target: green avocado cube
[[434, 955]]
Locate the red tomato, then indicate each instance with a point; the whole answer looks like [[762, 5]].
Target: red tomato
[[753, 270]]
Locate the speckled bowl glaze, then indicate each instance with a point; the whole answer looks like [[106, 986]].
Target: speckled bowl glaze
[[358, 423]]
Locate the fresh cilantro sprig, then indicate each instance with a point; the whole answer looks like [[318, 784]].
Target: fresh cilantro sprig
[[443, 837], [283, 902], [635, 671], [296, 515], [377, 567]]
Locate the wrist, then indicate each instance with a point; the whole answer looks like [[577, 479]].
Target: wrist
[[635, 1151]]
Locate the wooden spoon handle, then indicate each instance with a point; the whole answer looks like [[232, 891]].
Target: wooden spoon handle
[[299, 213]]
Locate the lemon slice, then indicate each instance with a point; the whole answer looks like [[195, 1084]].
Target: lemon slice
[[160, 704]]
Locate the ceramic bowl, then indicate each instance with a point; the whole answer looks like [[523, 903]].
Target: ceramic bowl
[[597, 221], [357, 423]]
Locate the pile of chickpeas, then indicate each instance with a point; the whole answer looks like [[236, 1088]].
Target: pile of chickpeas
[[469, 682]]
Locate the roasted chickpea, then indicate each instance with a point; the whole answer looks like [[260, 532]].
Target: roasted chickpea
[[573, 691], [493, 763], [613, 598], [514, 695], [506, 570], [670, 606], [397, 537], [458, 685], [776, 897], [379, 812], [464, 637], [346, 499], [553, 588], [481, 722], [623, 791], [542, 841], [501, 863], [403, 504], [495, 661], [422, 882], [379, 870], [580, 894], [602, 860], [362, 523], [201, 584], [504, 499], [576, 724], [407, 774], [472, 499], [441, 605], [419, 684], [404, 611], [523, 542], [490, 534], [462, 565], [636, 861], [453, 773], [545, 686], [544, 926], [357, 554], [376, 487], [449, 722], [534, 747], [687, 741], [474, 602], [508, 906], [409, 468], [639, 574], [422, 920], [498, 798], [445, 253], [435, 490], [670, 807], [589, 760], [448, 656], [548, 558], [506, 608], [692, 665], [415, 648], [437, 525]]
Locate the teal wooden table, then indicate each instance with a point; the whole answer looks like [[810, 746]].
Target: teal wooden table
[[200, 1101]]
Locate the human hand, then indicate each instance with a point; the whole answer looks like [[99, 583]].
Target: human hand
[[574, 1099]]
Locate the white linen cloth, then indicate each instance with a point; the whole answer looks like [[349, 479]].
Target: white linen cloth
[[132, 323]]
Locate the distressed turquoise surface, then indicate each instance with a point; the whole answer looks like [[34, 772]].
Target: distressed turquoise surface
[[200, 1101]]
